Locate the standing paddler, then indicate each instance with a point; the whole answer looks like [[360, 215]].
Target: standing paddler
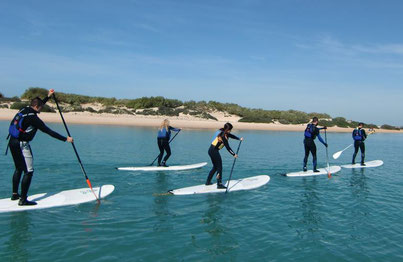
[[311, 132], [359, 136], [220, 140], [164, 134], [22, 130]]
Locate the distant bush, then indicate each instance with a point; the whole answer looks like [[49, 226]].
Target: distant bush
[[33, 92], [256, 119], [90, 109], [19, 105], [48, 109], [3, 106], [1, 95], [389, 127]]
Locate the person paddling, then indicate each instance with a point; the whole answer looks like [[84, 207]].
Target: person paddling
[[164, 134], [22, 130], [220, 140], [311, 132], [359, 136]]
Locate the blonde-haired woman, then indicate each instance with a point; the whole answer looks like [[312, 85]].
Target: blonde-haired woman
[[164, 134]]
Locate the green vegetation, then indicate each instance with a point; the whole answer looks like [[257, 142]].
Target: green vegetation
[[389, 127], [172, 107]]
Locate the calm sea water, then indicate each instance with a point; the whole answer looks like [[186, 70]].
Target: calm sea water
[[355, 216]]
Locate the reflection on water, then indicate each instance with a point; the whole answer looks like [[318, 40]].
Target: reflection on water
[[20, 235], [358, 183], [160, 207], [220, 240], [310, 207]]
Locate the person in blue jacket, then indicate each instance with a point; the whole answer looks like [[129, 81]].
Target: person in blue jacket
[[359, 136], [311, 132], [164, 134]]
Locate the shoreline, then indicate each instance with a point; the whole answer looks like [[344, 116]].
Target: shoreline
[[87, 118]]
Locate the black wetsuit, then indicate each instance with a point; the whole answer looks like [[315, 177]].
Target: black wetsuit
[[163, 143], [220, 140], [311, 132], [359, 136], [21, 150]]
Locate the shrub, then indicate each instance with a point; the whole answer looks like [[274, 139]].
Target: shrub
[[90, 109], [19, 105], [389, 127], [33, 92]]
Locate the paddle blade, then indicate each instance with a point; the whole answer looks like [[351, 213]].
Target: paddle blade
[[337, 154], [90, 186]]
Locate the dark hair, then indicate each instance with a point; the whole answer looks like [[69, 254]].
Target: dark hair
[[361, 124], [227, 127], [37, 102], [314, 119]]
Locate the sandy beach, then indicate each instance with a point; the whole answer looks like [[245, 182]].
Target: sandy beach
[[186, 122]]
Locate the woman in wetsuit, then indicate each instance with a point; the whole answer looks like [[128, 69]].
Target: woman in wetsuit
[[164, 134], [219, 141]]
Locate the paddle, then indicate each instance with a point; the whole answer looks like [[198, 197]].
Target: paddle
[[338, 154], [168, 143], [75, 150], [233, 164], [329, 175]]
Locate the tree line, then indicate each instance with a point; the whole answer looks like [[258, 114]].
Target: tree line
[[173, 107]]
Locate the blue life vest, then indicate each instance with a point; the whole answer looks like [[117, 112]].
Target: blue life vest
[[309, 131], [15, 128], [357, 135], [163, 133]]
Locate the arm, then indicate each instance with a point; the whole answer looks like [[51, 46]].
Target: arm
[[233, 136], [174, 129], [225, 141], [321, 140], [41, 126], [51, 91]]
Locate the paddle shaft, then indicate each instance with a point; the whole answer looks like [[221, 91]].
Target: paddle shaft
[[168, 144], [233, 164], [327, 155], [74, 147]]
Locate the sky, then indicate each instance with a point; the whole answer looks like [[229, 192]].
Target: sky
[[344, 58]]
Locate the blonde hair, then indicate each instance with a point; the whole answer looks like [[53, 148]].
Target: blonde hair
[[164, 124]]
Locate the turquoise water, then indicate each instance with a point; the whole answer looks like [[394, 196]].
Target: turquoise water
[[355, 216]]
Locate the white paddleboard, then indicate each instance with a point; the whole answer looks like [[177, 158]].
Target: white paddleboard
[[234, 185], [162, 168], [322, 171], [374, 163], [63, 198]]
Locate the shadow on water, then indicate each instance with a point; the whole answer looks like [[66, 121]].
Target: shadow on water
[[20, 235], [221, 242], [359, 186], [160, 207], [310, 207]]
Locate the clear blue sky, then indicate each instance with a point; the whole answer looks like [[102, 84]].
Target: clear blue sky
[[344, 58]]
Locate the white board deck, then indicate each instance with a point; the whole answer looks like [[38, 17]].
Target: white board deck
[[162, 168], [234, 185], [63, 198], [374, 163], [323, 171]]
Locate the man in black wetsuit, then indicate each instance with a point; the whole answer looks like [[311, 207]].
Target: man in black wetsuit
[[20, 148], [359, 136], [311, 132], [219, 141]]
